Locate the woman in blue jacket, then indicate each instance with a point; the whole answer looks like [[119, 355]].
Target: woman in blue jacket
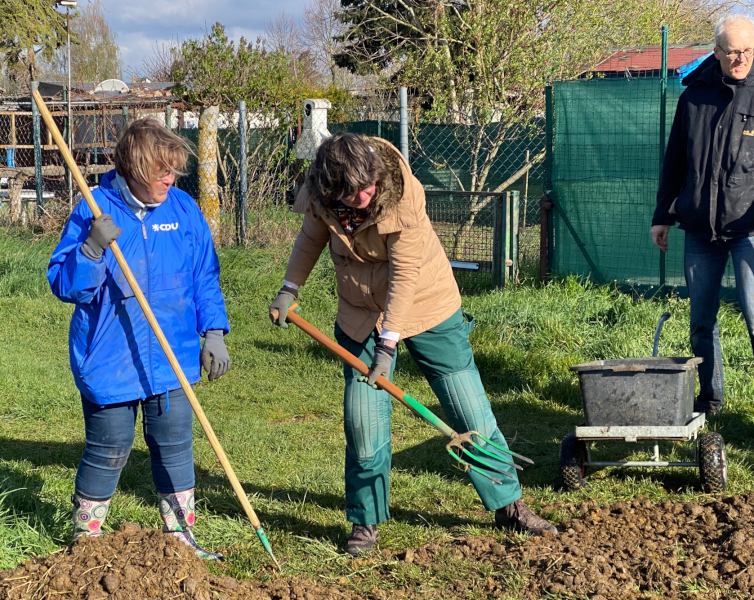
[[116, 360]]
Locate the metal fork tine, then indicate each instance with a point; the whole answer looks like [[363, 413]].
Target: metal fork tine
[[468, 466], [491, 455], [493, 444], [457, 446]]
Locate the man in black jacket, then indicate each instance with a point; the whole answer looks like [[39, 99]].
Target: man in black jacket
[[707, 185]]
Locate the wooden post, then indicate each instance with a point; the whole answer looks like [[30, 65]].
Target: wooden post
[[12, 129], [15, 185]]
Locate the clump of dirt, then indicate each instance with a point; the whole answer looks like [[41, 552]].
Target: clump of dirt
[[624, 551], [136, 563]]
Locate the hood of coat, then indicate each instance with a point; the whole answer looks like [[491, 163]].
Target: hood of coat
[[390, 190], [710, 73]]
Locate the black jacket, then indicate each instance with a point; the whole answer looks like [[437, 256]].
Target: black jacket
[[707, 179]]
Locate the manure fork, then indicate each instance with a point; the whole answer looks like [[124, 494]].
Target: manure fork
[[457, 447]]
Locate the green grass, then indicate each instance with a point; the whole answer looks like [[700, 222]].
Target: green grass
[[278, 415]]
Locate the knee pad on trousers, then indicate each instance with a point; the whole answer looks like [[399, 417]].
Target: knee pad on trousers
[[366, 419], [464, 400]]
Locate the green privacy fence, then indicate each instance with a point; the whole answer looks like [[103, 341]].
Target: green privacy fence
[[605, 164]]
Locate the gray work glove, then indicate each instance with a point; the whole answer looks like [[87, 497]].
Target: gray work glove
[[280, 305], [381, 363], [215, 357], [102, 233]]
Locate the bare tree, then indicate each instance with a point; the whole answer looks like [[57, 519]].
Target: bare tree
[[319, 34], [283, 34], [160, 65], [95, 54]]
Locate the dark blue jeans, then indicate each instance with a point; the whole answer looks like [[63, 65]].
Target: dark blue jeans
[[704, 265], [110, 436]]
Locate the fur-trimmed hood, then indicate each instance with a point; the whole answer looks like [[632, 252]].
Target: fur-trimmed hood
[[390, 191]]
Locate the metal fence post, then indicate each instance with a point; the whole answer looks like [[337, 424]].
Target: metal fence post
[[499, 238], [507, 239], [242, 168], [96, 153], [663, 118], [514, 200], [169, 117], [37, 125], [549, 140], [67, 136], [404, 123]]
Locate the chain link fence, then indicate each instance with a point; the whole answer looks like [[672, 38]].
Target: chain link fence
[[259, 162], [466, 171]]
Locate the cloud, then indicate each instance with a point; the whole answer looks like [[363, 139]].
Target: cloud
[[141, 24]]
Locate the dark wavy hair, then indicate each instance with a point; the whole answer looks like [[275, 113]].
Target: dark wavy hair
[[345, 164]]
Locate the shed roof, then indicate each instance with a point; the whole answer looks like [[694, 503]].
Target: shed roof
[[649, 58]]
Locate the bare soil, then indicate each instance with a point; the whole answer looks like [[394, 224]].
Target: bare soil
[[623, 551]]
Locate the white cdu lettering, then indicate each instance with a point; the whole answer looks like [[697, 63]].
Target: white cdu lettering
[[165, 227]]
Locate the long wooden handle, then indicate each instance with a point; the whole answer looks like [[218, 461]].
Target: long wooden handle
[[185, 385], [346, 356]]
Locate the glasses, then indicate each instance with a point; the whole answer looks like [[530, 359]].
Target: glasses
[[165, 174], [734, 54]]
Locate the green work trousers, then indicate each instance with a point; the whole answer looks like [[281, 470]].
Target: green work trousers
[[444, 356]]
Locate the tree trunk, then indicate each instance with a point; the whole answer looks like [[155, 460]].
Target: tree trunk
[[209, 199], [15, 185]]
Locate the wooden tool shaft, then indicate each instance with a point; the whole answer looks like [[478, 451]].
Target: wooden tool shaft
[[346, 356]]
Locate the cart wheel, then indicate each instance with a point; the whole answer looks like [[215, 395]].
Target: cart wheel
[[572, 457], [713, 462]]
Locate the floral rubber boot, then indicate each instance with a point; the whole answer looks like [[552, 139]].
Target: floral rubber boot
[[88, 516], [177, 512]]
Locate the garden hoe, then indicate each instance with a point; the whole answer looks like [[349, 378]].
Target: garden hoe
[[96, 212], [457, 447]]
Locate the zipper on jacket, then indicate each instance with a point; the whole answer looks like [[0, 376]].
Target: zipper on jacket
[[149, 300]]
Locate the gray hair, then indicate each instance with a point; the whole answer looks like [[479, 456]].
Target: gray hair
[[732, 21]]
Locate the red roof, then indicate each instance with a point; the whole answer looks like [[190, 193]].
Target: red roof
[[649, 58]]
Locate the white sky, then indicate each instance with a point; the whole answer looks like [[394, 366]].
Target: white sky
[[141, 24]]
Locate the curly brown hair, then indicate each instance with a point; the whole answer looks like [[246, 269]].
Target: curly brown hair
[[345, 165]]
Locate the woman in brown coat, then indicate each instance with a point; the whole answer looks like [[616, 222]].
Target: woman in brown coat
[[394, 283]]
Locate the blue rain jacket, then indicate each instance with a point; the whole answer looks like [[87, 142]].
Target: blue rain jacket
[[114, 355]]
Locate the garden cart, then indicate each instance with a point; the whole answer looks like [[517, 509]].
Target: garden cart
[[642, 400]]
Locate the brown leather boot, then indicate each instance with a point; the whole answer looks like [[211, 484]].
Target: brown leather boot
[[363, 539], [519, 517]]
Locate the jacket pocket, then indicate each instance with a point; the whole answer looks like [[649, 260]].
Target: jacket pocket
[[107, 336]]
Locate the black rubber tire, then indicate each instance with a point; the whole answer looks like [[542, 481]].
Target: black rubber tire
[[572, 457], [713, 462]]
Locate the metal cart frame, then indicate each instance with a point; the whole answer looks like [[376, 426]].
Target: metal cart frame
[[635, 433]]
